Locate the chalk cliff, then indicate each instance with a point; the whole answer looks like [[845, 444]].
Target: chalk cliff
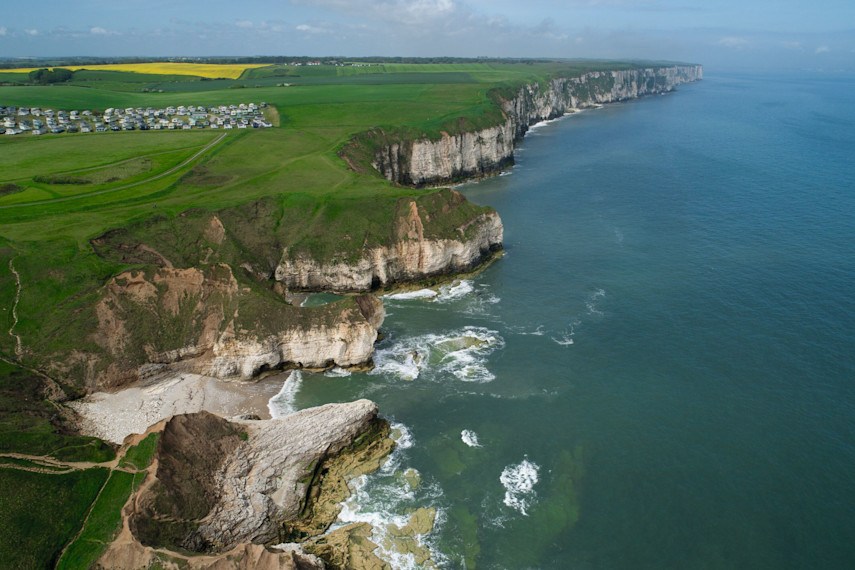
[[202, 321], [220, 484], [434, 235], [453, 157]]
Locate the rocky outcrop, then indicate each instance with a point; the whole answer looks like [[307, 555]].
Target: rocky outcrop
[[221, 484], [453, 157], [201, 321], [428, 240]]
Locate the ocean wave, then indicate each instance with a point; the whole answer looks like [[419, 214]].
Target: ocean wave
[[565, 338], [402, 436], [461, 353], [455, 290], [519, 481], [460, 293], [591, 301], [419, 294], [283, 403], [388, 497], [336, 372], [470, 438]]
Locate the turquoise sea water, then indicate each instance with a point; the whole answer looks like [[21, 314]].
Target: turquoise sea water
[[660, 373]]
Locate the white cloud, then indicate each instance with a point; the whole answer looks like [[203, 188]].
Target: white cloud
[[2, 30], [306, 28], [407, 12], [32, 32], [733, 42], [822, 49], [98, 31], [243, 24]]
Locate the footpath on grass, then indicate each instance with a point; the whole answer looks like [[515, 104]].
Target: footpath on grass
[[81, 542], [163, 174]]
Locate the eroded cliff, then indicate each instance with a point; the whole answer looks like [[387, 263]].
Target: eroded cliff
[[221, 484], [433, 235], [201, 320], [454, 157]]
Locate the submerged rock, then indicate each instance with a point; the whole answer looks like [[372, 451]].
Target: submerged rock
[[349, 547]]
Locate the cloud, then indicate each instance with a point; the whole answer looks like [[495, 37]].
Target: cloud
[[32, 32], [306, 28], [99, 31], [2, 30], [406, 12], [733, 42], [822, 49], [243, 24]]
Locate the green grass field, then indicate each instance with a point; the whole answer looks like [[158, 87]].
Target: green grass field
[[103, 523], [64, 190], [40, 513]]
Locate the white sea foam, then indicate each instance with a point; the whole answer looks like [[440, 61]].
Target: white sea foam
[[282, 404], [386, 497], [536, 332], [336, 372], [402, 436], [420, 294], [541, 124], [591, 302], [519, 481], [455, 290], [470, 438], [565, 338], [476, 300], [461, 353]]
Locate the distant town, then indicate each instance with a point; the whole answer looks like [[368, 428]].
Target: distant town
[[37, 121]]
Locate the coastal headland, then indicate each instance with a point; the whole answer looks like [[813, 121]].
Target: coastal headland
[[143, 260]]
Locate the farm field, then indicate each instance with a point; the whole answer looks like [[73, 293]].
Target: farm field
[[232, 71], [297, 157]]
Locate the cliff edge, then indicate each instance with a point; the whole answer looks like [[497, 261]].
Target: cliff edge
[[454, 157]]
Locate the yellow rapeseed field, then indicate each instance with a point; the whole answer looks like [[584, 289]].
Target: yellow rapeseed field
[[211, 70]]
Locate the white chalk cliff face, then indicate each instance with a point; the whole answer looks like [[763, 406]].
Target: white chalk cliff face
[[413, 254], [428, 162], [264, 481], [220, 484], [202, 321]]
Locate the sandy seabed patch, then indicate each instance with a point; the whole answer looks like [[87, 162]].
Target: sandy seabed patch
[[115, 416]]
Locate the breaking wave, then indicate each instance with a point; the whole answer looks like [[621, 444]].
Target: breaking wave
[[519, 481], [462, 353], [420, 294], [470, 438], [283, 403], [387, 497], [476, 299]]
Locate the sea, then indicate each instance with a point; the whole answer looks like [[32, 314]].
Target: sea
[[660, 371]]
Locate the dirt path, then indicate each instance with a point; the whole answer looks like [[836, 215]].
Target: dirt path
[[71, 465], [18, 348], [204, 149]]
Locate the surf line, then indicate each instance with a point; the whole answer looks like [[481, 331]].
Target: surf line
[[18, 348]]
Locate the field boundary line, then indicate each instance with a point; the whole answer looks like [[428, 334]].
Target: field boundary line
[[18, 348], [172, 170]]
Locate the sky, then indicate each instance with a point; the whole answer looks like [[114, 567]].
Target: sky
[[727, 34]]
